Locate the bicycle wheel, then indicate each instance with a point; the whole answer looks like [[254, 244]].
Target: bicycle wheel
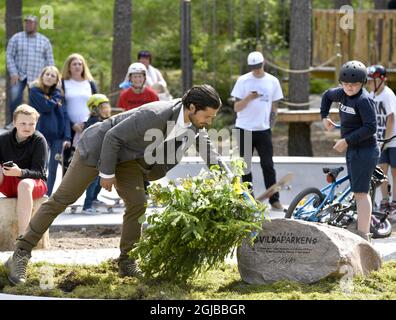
[[380, 229], [302, 198]]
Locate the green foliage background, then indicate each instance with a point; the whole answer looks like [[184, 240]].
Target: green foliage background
[[219, 52], [223, 32]]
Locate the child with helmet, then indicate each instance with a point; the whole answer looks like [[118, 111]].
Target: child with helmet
[[385, 105], [100, 109], [136, 93], [358, 135]]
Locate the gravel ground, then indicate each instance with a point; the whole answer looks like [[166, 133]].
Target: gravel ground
[[93, 238]]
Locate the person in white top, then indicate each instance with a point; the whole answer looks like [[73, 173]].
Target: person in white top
[[78, 86], [385, 106], [153, 75], [256, 95]]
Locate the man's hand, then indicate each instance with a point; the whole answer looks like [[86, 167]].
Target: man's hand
[[253, 95], [78, 127], [13, 171], [341, 145], [66, 144], [107, 183], [14, 79], [328, 124]]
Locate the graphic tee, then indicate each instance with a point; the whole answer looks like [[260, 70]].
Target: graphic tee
[[256, 115], [385, 104]]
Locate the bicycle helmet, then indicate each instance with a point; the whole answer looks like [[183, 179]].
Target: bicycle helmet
[[376, 72], [352, 72], [137, 67], [95, 100]]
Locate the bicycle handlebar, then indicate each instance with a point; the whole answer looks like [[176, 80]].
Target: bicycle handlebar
[[386, 140]]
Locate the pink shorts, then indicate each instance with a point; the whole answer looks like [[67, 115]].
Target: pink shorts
[[9, 187]]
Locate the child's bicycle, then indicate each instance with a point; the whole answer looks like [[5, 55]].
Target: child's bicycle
[[339, 209]]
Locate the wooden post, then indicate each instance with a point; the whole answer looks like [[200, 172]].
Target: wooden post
[[185, 33], [338, 63]]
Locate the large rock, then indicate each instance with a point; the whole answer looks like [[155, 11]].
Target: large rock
[[305, 252], [9, 224]]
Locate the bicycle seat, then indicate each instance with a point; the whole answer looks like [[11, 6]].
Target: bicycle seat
[[334, 172]]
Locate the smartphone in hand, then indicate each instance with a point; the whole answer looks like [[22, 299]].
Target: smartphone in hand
[[8, 164]]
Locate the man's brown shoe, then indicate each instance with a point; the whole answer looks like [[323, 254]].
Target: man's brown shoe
[[16, 266], [277, 206]]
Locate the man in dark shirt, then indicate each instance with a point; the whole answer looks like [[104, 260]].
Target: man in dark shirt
[[23, 158]]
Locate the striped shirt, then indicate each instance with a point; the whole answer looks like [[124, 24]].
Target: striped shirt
[[28, 55]]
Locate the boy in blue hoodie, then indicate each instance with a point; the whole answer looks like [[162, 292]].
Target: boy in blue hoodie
[[358, 135]]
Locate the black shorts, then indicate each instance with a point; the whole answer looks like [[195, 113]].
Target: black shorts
[[361, 163]]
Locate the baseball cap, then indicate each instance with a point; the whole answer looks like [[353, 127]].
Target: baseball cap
[[255, 60], [30, 17]]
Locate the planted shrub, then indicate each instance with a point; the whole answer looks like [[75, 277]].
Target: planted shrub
[[204, 219]]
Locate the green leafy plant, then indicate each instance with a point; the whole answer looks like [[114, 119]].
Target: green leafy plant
[[204, 219]]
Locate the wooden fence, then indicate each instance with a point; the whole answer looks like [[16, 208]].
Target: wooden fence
[[372, 39]]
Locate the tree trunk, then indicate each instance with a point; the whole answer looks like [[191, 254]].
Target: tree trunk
[[13, 25], [121, 56], [380, 4], [185, 43], [339, 3], [299, 142]]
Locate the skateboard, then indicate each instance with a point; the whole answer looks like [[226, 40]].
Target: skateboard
[[118, 203], [282, 184], [74, 207]]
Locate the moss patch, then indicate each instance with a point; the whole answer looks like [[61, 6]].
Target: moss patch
[[102, 281]]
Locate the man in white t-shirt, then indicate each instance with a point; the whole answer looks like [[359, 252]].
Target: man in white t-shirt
[[385, 105], [256, 96]]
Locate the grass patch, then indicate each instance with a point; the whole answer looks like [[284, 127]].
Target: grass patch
[[102, 281]]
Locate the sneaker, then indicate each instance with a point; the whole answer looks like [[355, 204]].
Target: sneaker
[[9, 126], [98, 203], [277, 206], [128, 268], [90, 211], [16, 266]]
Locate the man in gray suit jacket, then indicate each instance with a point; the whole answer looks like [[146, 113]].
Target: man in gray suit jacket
[[122, 152]]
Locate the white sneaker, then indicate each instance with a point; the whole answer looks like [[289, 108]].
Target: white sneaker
[[90, 211], [9, 126]]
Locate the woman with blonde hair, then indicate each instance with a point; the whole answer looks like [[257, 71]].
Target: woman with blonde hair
[[78, 86], [46, 97]]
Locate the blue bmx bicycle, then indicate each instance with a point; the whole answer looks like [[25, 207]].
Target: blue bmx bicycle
[[338, 208]]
